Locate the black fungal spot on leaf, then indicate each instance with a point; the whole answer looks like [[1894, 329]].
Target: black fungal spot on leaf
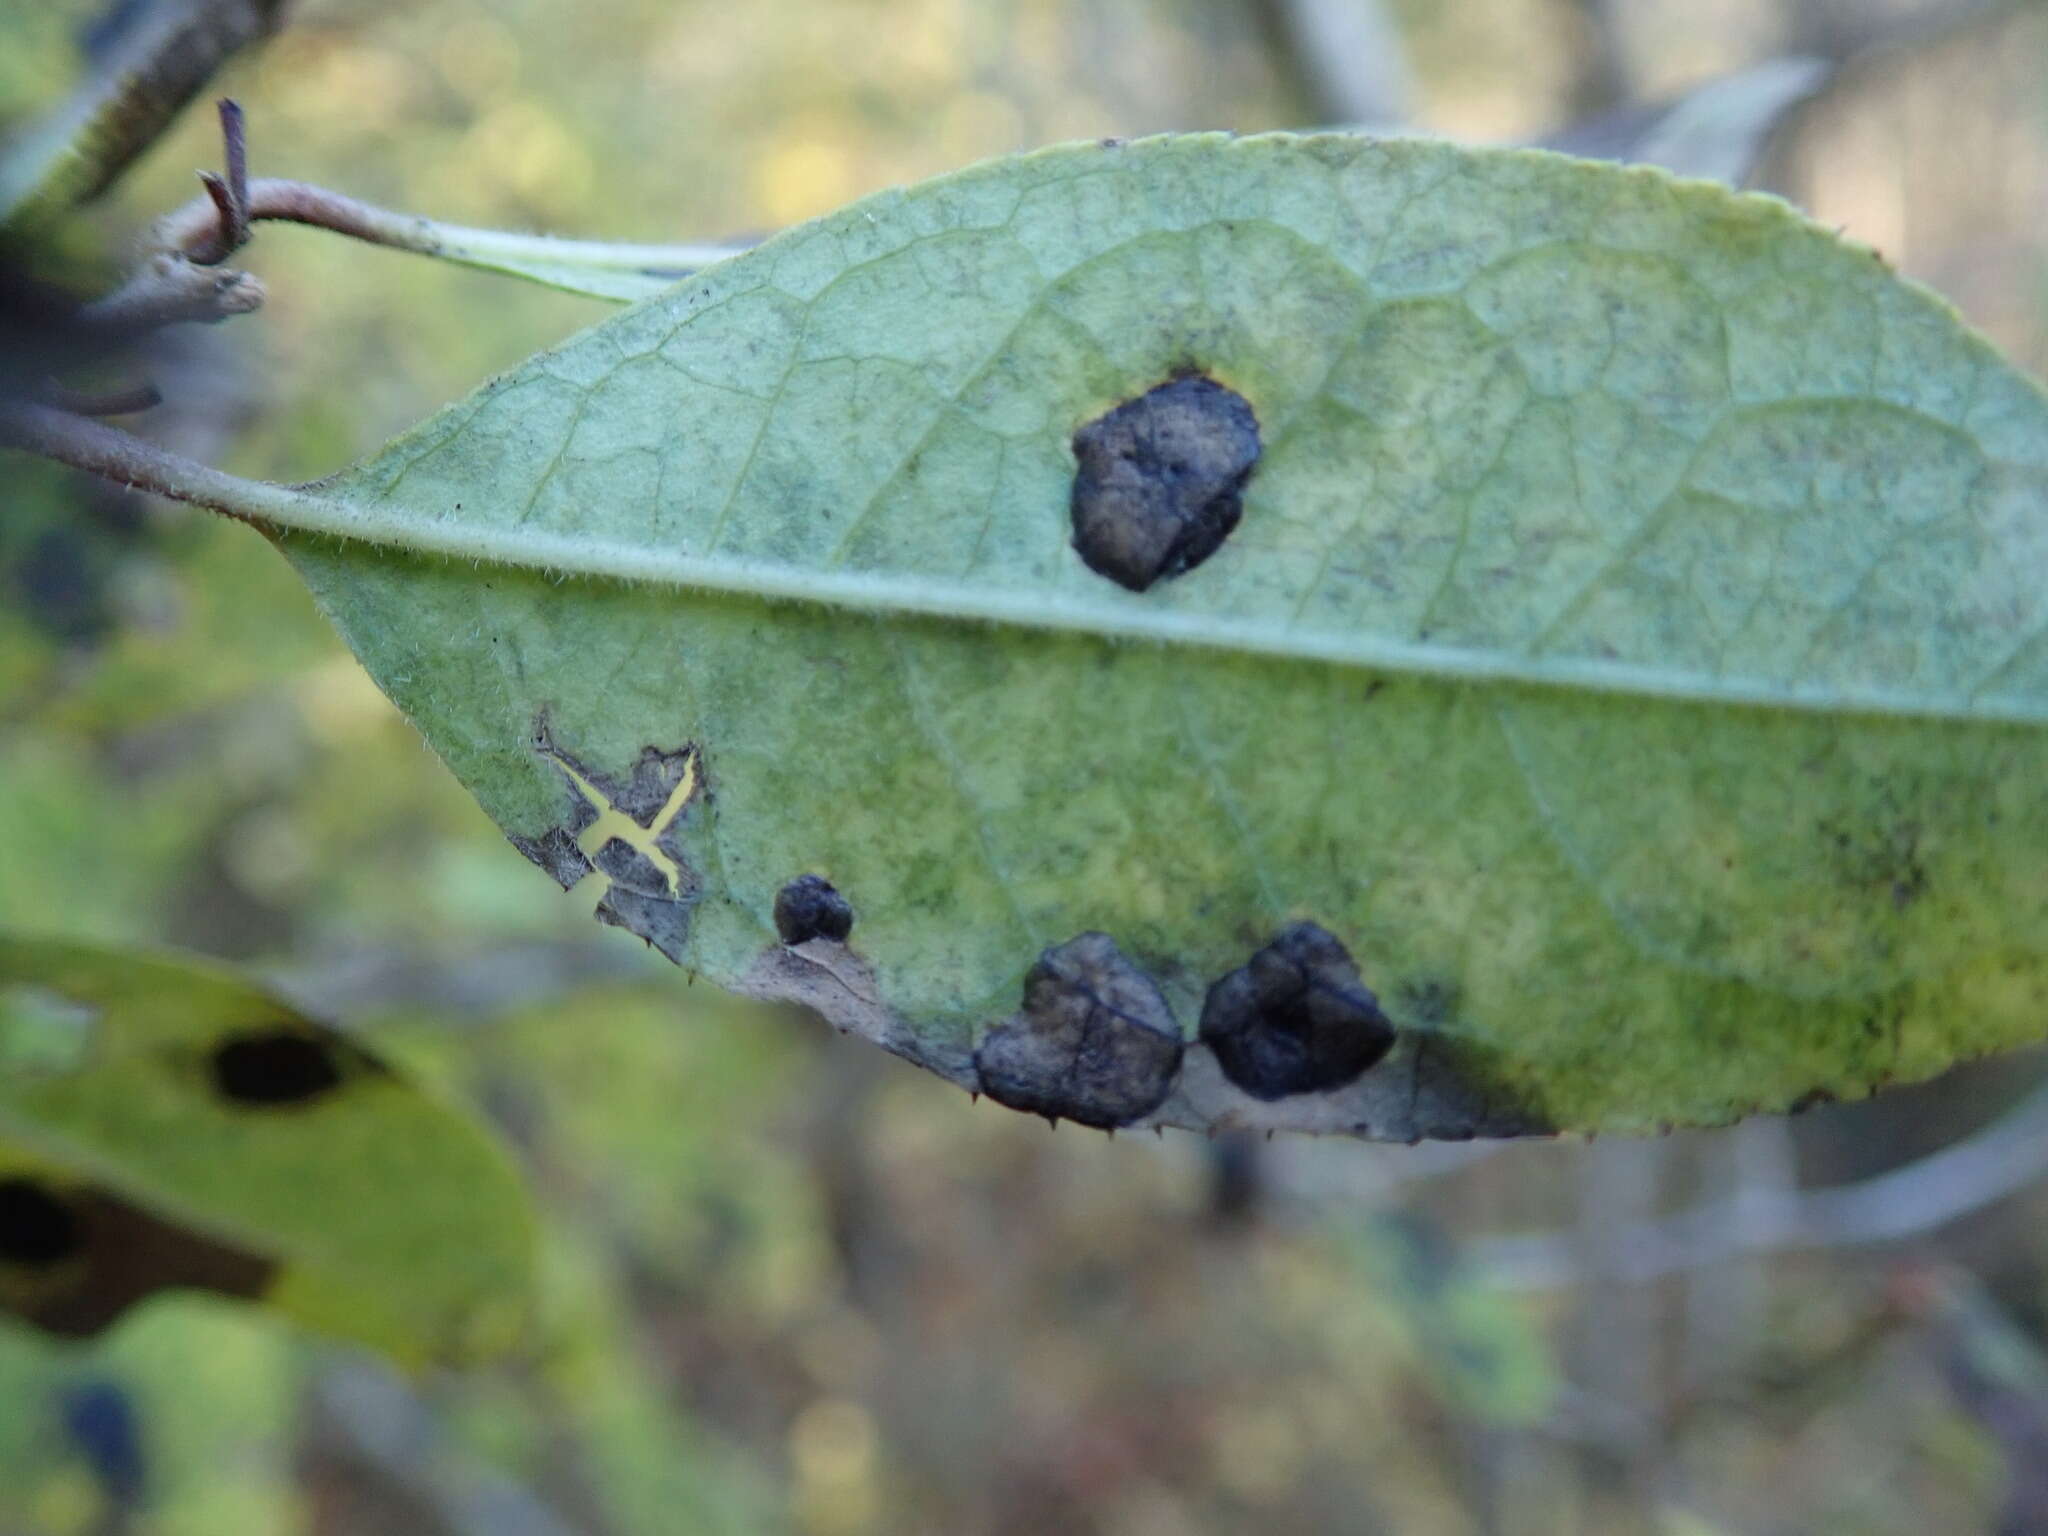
[[1094, 1042], [1295, 1019], [809, 907], [285, 1066], [73, 1260], [36, 1227], [1161, 479]]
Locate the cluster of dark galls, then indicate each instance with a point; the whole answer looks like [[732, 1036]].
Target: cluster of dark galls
[[1158, 487], [1095, 1040]]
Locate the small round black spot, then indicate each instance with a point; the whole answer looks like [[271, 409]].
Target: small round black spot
[[36, 1227], [1295, 1019], [810, 908], [274, 1067], [1161, 479], [1094, 1042]]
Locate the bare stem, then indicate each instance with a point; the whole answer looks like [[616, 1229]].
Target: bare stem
[[195, 231], [128, 460], [167, 290], [1907, 1202], [235, 156]]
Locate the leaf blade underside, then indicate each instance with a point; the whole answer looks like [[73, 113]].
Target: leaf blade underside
[[1632, 648]]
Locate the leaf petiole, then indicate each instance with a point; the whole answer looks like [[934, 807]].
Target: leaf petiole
[[597, 268]]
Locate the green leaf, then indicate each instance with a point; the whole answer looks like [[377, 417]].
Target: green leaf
[[165, 1125], [1631, 654]]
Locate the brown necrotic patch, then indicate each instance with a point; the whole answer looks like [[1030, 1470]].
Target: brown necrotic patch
[[1094, 1041], [74, 1258], [1160, 480], [810, 907], [1296, 1018], [629, 827]]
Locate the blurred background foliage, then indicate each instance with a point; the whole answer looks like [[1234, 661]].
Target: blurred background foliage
[[792, 1285]]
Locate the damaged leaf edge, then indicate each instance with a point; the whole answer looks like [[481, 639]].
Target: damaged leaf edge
[[1411, 1095]]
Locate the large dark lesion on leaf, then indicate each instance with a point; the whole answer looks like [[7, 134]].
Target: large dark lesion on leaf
[[1159, 481], [1295, 1018], [1294, 1038], [1094, 1041], [653, 889], [75, 1257]]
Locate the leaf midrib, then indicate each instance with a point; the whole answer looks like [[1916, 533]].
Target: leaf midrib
[[332, 506], [306, 510]]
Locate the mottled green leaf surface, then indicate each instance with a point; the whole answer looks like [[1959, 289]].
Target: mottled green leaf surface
[[167, 1126], [1632, 648]]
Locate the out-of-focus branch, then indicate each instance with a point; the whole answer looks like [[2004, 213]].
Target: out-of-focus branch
[[159, 62], [377, 978], [1348, 58], [1719, 130], [1331, 1175], [1615, 1358], [1837, 29], [1727, 1303], [1722, 128], [1999, 1160], [378, 1433], [1601, 77], [131, 461], [1996, 1371]]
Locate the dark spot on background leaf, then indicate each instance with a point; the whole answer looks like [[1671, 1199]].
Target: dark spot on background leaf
[[1161, 479], [271, 1068], [117, 1254], [1094, 1042], [1296, 1018], [809, 907], [37, 1227]]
